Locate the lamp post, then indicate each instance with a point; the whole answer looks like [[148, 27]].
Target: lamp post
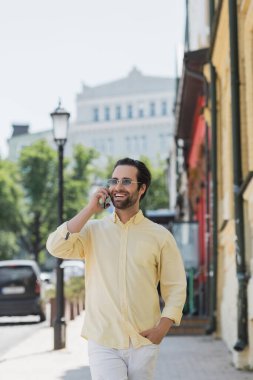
[[60, 118]]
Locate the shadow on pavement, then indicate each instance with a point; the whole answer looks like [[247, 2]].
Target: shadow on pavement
[[19, 323], [82, 373]]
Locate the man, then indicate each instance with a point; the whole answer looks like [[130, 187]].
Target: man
[[126, 256]]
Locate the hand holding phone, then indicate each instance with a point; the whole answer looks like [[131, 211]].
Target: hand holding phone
[[105, 204]]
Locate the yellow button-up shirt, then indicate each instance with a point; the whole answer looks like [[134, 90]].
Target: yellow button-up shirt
[[123, 265]]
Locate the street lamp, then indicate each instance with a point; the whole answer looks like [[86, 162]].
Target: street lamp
[[60, 119]]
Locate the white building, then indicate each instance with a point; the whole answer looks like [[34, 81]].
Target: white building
[[131, 116]]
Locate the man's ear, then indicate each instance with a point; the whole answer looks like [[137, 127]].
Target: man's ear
[[142, 189]]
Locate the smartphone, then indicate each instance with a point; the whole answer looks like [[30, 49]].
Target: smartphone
[[107, 201], [104, 204]]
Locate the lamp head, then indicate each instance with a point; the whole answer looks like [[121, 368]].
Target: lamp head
[[60, 119]]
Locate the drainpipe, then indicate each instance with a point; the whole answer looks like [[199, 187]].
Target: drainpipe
[[213, 260], [211, 12], [187, 31], [208, 235], [242, 317]]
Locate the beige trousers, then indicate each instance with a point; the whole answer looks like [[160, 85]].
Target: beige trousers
[[129, 364]]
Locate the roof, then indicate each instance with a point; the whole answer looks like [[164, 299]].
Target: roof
[[20, 129], [191, 86], [134, 83], [20, 262]]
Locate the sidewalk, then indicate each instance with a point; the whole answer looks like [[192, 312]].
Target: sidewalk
[[191, 358]]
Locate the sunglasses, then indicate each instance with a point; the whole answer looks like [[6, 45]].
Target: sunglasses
[[124, 182]]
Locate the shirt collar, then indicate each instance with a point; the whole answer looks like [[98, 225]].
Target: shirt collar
[[137, 218]]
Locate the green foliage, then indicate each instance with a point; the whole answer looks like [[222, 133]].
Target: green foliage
[[29, 193], [10, 196], [8, 245], [83, 158], [78, 180], [74, 288], [38, 171], [10, 209], [49, 293], [38, 165], [109, 167]]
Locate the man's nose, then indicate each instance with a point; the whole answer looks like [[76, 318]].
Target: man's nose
[[119, 184]]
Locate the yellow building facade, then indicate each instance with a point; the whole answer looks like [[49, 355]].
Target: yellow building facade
[[228, 282]]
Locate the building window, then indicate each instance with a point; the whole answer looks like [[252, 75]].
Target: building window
[[95, 114], [118, 112], [107, 113], [164, 108], [152, 109], [129, 111], [141, 111]]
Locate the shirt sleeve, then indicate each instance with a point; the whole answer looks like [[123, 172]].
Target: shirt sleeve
[[172, 281], [65, 245]]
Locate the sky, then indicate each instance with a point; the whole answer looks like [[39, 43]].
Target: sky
[[50, 47]]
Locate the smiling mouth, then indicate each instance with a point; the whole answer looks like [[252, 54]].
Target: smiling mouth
[[119, 196]]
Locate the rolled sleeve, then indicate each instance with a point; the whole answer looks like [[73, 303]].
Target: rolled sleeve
[[63, 244], [172, 281]]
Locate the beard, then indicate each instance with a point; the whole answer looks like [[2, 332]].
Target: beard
[[125, 203]]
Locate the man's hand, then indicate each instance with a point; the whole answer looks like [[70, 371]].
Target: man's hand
[[94, 206], [97, 200], [156, 334]]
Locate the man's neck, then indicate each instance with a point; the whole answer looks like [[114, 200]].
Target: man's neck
[[126, 215]]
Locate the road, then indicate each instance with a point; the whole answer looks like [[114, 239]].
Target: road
[[15, 329]]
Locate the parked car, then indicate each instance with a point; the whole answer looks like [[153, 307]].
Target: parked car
[[20, 289]]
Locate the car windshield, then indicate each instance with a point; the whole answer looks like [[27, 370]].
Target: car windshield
[[14, 274]]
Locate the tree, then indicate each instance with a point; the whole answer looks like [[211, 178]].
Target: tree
[[83, 165], [10, 196], [31, 211], [8, 245], [39, 176], [38, 171], [78, 180], [111, 161], [10, 206]]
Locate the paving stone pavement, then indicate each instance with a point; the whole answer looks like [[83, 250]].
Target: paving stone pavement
[[197, 358], [181, 358]]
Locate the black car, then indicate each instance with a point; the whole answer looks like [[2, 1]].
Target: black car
[[20, 289]]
